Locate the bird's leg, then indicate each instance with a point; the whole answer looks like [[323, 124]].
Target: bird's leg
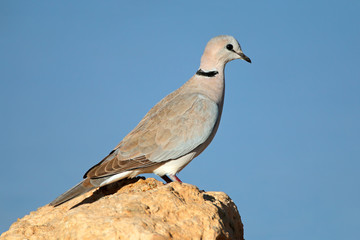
[[175, 178], [166, 179]]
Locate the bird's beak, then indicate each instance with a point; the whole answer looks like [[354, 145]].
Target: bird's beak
[[244, 57]]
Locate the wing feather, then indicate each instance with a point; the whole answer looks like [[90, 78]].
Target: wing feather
[[173, 130]]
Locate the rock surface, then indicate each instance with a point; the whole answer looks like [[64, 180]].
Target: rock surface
[[135, 209]]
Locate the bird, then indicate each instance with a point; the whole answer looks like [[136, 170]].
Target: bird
[[175, 131]]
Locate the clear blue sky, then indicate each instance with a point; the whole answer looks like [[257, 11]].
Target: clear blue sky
[[77, 76]]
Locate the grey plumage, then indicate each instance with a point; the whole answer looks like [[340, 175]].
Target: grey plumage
[[174, 131]]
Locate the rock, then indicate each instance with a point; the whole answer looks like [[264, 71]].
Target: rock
[[135, 209]]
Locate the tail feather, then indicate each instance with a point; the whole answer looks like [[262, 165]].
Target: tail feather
[[75, 191]]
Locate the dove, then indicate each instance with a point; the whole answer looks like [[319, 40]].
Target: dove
[[174, 131]]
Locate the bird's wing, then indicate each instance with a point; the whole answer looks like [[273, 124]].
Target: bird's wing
[[173, 130]]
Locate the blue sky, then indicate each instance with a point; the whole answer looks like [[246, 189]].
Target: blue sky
[[76, 77]]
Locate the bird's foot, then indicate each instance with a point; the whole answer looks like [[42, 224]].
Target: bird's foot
[[171, 178], [166, 179], [175, 178]]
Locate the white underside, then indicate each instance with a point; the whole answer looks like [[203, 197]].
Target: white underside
[[112, 179], [170, 168], [174, 166]]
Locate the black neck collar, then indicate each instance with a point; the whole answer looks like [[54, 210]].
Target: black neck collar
[[207, 74]]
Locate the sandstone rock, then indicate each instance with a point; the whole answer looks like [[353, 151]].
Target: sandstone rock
[[135, 209]]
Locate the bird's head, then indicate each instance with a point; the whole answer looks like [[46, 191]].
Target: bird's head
[[221, 50]]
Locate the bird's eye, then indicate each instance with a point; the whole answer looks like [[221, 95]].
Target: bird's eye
[[229, 47]]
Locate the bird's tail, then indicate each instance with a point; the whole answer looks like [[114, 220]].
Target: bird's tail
[[79, 189]]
